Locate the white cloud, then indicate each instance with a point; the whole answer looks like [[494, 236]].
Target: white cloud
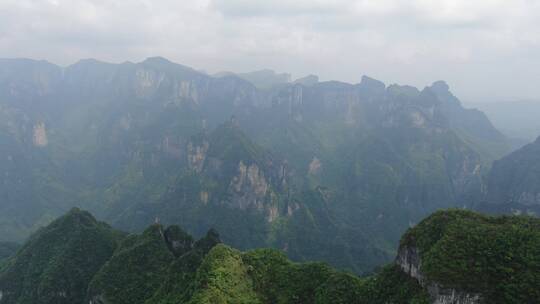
[[475, 45]]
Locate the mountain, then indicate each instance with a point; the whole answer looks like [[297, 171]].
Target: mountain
[[308, 80], [326, 171], [516, 119], [452, 256], [463, 257], [158, 263], [513, 183], [163, 265], [262, 79], [7, 249], [57, 262], [239, 188]]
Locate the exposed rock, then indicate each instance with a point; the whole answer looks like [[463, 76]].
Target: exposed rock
[[314, 166], [250, 180], [292, 208], [249, 190], [417, 119], [197, 155], [272, 214], [452, 296], [408, 259], [187, 90], [204, 197], [147, 81], [97, 299], [40, 135], [178, 241]]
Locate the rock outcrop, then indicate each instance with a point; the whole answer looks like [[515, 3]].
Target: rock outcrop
[[408, 259]]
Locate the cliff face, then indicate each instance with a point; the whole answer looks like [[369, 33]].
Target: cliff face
[[460, 257], [408, 259], [134, 141]]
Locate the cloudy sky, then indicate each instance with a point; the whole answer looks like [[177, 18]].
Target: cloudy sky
[[485, 49]]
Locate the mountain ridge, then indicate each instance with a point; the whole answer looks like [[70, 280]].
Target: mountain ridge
[[165, 265], [130, 142]]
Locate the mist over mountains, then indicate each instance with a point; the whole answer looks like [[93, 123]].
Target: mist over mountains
[[326, 171], [322, 170], [516, 119]]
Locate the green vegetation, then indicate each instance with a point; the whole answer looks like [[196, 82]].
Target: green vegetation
[[223, 278], [77, 259], [391, 285], [334, 172], [57, 263], [136, 269], [498, 257]]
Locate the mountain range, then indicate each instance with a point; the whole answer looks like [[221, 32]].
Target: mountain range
[[452, 256], [324, 171]]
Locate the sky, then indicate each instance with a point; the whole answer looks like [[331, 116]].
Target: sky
[[487, 50]]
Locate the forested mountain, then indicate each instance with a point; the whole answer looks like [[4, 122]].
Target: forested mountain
[[513, 184], [325, 171], [452, 256], [58, 261]]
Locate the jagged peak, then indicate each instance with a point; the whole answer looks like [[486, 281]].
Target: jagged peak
[[210, 240], [77, 216], [372, 84], [440, 86], [159, 62], [157, 59], [178, 240], [308, 80], [153, 229], [406, 90]]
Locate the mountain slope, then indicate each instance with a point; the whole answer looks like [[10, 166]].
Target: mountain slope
[[58, 262], [288, 167], [464, 257], [513, 182], [454, 256], [162, 266]]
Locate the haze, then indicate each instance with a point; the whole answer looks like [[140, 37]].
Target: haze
[[486, 50]]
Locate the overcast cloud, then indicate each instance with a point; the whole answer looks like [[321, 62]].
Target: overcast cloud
[[485, 49]]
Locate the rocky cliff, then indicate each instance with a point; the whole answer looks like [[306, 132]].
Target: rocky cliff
[[408, 259], [460, 257]]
